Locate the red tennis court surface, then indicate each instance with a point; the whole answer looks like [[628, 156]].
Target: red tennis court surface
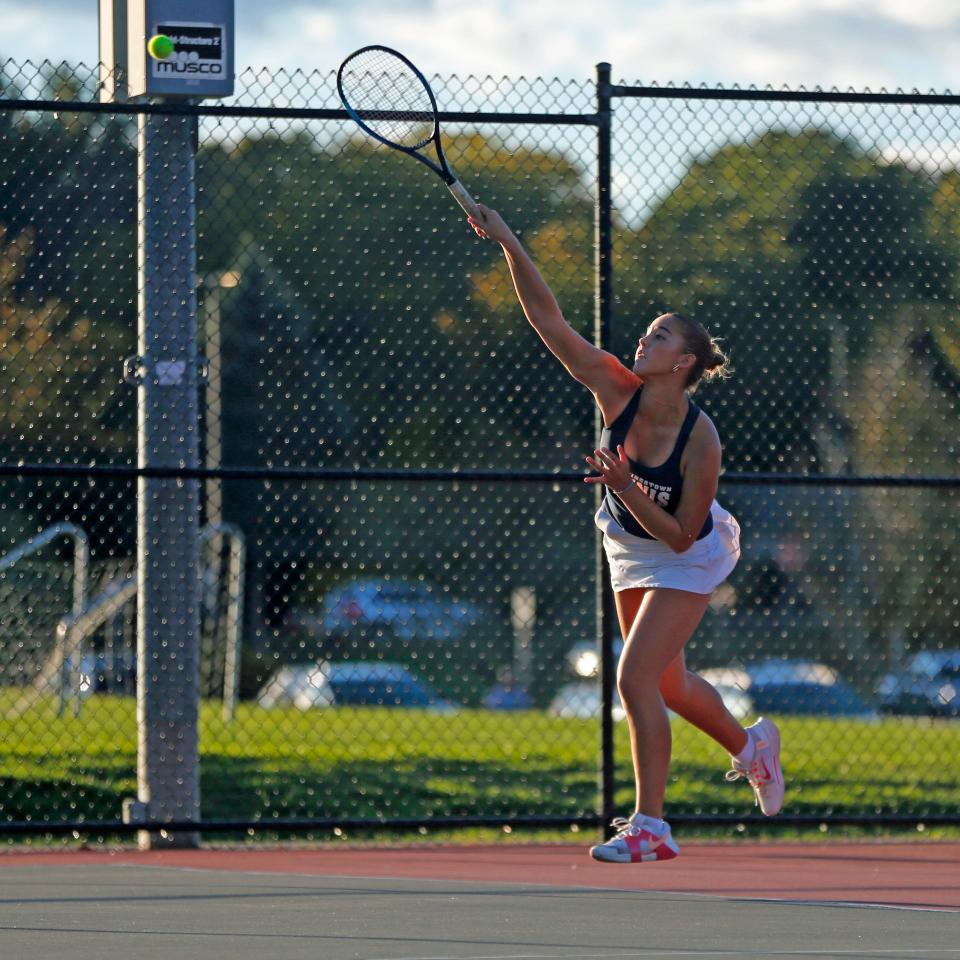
[[919, 875]]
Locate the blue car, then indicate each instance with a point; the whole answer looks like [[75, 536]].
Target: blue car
[[403, 610], [373, 683], [351, 684], [928, 686], [802, 688]]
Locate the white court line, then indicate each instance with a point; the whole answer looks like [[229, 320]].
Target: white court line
[[552, 888], [675, 952], [859, 904]]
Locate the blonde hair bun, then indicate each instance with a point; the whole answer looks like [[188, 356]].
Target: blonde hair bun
[[712, 363]]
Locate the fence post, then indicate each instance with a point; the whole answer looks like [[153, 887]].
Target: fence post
[[602, 332], [168, 509]]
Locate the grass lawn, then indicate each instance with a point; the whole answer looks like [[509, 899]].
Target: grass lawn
[[376, 762]]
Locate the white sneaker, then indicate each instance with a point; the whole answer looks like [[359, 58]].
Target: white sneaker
[[635, 843], [763, 772]]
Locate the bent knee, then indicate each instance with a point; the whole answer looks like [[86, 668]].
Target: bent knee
[[635, 687]]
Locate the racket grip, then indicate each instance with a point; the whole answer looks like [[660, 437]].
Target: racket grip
[[461, 195]]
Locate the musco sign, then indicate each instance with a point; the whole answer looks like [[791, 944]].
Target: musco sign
[[202, 62], [199, 52]]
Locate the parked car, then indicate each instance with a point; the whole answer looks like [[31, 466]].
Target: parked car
[[928, 686], [399, 609], [581, 699], [583, 658], [803, 687], [737, 701], [303, 686], [732, 685], [350, 683], [584, 661], [508, 693], [100, 673]]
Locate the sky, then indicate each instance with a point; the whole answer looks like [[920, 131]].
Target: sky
[[879, 44]]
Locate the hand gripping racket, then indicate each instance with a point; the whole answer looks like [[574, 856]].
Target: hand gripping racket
[[390, 99]]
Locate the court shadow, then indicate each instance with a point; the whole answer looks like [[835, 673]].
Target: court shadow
[[247, 788]]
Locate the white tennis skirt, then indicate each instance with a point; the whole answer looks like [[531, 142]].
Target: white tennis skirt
[[638, 562]]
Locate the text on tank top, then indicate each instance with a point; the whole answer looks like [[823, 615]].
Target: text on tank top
[[662, 484]]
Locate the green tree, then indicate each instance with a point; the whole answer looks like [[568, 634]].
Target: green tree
[[356, 336], [55, 368], [379, 266], [718, 247]]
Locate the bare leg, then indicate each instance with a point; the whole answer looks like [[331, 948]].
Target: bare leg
[[683, 691], [664, 622], [700, 704]]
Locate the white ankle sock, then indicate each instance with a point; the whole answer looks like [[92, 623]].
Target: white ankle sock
[[655, 826], [747, 754]]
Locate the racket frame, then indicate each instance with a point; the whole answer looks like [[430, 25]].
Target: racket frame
[[442, 169]]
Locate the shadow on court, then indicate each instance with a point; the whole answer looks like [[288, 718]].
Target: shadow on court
[[254, 904]]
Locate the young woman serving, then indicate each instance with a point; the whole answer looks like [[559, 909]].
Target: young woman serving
[[668, 543]]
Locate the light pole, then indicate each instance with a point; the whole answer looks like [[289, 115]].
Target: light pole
[[213, 285], [164, 371]]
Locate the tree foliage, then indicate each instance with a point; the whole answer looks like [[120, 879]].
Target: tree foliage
[[365, 326]]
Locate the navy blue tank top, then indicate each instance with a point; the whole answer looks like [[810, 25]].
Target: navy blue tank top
[[663, 484]]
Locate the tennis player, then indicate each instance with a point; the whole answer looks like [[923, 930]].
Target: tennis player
[[668, 543]]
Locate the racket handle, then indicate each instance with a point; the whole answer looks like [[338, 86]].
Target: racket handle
[[462, 197]]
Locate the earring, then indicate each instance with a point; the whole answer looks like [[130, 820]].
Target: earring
[[676, 366]]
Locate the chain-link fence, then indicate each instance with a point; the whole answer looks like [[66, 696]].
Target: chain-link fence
[[397, 583]]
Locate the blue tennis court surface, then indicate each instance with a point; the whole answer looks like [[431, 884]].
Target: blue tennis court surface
[[104, 911]]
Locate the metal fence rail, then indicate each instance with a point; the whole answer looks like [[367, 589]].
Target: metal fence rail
[[427, 638]]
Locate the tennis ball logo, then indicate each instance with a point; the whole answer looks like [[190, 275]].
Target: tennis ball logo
[[160, 47]]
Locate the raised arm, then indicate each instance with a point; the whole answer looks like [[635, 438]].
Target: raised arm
[[596, 369]]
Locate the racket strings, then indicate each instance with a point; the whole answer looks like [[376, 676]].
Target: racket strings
[[389, 98]]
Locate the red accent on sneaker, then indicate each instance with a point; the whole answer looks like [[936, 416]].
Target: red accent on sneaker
[[645, 846]]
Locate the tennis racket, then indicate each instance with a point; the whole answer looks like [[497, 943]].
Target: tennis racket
[[390, 99]]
